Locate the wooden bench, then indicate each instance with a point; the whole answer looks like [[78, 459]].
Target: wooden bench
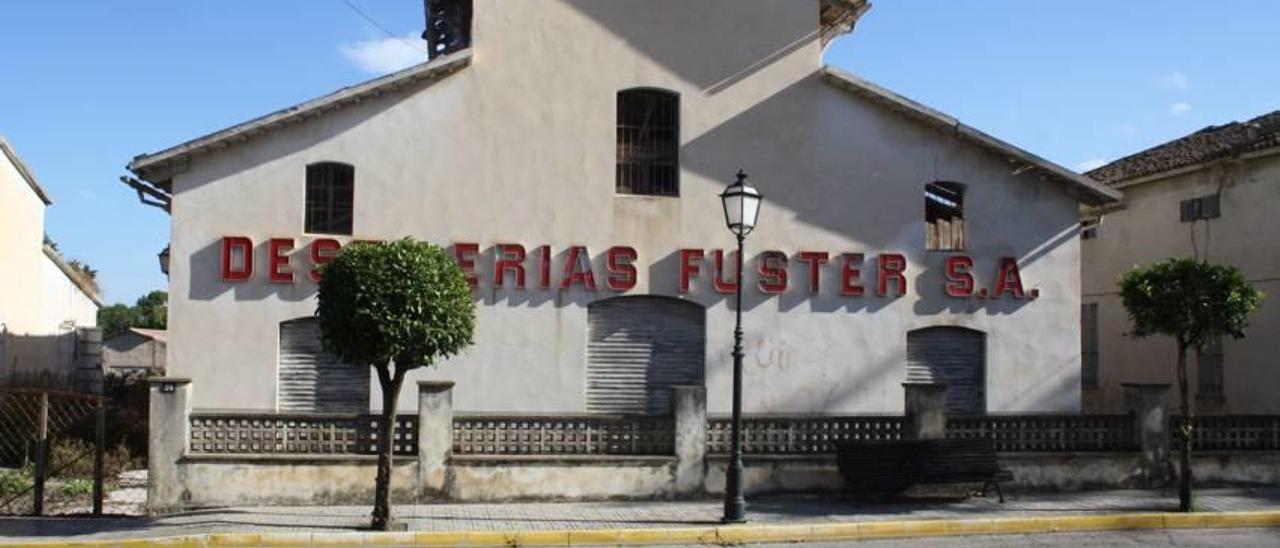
[[889, 467]]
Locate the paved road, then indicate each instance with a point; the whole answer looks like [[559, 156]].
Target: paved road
[[1218, 538]]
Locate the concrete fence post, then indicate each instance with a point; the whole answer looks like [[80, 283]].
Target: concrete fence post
[[1146, 402], [926, 407], [689, 404], [168, 441], [435, 437]]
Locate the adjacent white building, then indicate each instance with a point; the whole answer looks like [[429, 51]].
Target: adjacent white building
[[43, 301], [570, 154]]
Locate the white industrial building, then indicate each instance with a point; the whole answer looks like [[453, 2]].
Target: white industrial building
[[570, 153]]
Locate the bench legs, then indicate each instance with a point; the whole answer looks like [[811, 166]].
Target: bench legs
[[999, 491]]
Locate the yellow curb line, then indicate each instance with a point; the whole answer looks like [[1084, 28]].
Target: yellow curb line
[[729, 534]]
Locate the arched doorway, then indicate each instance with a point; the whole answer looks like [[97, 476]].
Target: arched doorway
[[310, 380], [955, 356], [640, 347]]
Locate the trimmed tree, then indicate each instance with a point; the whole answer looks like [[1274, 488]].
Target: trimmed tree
[[1194, 302], [394, 306]]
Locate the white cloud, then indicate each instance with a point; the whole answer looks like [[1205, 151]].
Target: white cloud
[[1090, 165], [1176, 80], [385, 55], [1179, 108]]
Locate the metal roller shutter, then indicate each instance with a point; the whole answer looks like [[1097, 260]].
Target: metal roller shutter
[[314, 381], [953, 355], [640, 347]]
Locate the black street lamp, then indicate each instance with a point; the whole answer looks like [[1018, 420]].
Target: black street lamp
[[741, 207]]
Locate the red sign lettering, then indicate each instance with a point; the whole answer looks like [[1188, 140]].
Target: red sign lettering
[[773, 272], [890, 267], [622, 272], [508, 257], [230, 245], [959, 280], [688, 268]]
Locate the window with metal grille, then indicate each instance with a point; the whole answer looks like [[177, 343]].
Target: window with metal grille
[[944, 216], [1201, 209], [448, 26], [648, 142], [330, 198], [1089, 346], [1210, 362]]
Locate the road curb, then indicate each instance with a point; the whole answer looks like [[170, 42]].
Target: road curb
[[724, 535]]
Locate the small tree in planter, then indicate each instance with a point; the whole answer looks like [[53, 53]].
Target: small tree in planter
[[1194, 302], [394, 306]]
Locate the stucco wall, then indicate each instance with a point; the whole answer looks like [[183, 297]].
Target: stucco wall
[[1148, 229], [40, 307], [519, 147]]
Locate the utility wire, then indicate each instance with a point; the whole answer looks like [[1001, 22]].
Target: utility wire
[[375, 23]]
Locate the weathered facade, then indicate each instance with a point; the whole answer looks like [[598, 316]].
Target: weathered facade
[[571, 156], [42, 299], [136, 351], [1209, 195]]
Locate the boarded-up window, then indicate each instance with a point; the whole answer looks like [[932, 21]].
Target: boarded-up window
[[944, 216], [638, 348], [954, 356], [1089, 346], [330, 198], [314, 381], [1211, 375], [648, 142]]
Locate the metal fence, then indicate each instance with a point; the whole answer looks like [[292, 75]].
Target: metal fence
[[297, 434], [564, 435], [1046, 433], [54, 458], [801, 435], [1229, 433]]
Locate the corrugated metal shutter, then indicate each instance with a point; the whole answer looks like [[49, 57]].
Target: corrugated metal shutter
[[640, 347], [314, 381], [953, 355]]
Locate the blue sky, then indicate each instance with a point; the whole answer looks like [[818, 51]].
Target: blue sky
[[87, 85]]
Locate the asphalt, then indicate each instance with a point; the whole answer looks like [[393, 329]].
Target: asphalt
[[670, 522]]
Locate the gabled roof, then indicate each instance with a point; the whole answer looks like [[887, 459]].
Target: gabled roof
[[158, 335], [1083, 188], [76, 278], [24, 171], [1208, 144], [159, 167]]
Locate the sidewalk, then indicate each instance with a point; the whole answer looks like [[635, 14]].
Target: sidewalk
[[308, 522]]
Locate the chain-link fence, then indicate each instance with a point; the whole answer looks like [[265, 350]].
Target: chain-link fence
[[68, 453]]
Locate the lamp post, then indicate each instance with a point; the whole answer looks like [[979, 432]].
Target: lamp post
[[741, 207]]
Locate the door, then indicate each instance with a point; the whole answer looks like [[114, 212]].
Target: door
[[311, 380], [638, 348], [955, 356]]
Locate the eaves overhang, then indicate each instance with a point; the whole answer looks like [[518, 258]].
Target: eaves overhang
[[158, 168], [1084, 189]]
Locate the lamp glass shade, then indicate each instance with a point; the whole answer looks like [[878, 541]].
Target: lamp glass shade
[[741, 206]]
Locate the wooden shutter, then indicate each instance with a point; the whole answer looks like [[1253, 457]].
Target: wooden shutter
[[640, 347], [314, 381], [951, 355]]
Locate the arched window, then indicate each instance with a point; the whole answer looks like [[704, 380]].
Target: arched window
[[954, 356], [330, 198], [944, 216], [638, 349], [648, 142]]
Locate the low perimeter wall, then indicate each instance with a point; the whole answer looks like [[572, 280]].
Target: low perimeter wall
[[212, 459]]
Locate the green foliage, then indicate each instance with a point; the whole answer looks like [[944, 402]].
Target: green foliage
[[73, 458], [78, 487], [151, 311], [1190, 300], [14, 481], [405, 302]]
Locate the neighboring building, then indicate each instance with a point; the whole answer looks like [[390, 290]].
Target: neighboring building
[[136, 351], [571, 157], [1214, 195], [43, 301]]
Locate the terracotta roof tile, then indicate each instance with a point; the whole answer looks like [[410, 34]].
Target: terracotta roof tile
[[1210, 143]]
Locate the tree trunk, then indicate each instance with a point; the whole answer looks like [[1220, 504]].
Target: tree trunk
[[390, 383], [1188, 420]]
